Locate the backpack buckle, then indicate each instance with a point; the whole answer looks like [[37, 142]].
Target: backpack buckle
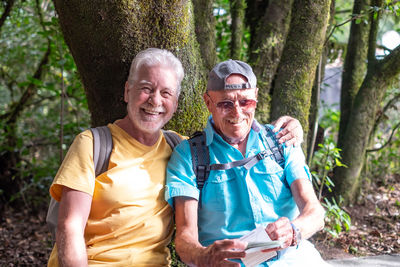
[[262, 155]]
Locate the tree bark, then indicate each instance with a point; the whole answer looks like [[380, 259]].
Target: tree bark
[[355, 66], [361, 122], [296, 72], [313, 118], [104, 36], [205, 31], [268, 42], [237, 27]]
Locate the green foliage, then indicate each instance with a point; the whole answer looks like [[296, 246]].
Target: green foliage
[[28, 33], [337, 220], [223, 32], [324, 161], [330, 120]]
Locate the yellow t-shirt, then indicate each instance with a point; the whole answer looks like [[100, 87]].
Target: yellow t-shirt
[[130, 223]]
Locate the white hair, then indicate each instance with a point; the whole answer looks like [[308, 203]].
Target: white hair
[[153, 57]]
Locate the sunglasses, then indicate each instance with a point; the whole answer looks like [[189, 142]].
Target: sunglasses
[[228, 105]]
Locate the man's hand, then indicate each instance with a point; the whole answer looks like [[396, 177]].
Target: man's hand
[[280, 230], [220, 251], [292, 132]]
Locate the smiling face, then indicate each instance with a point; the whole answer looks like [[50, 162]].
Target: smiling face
[[233, 124], [152, 98]]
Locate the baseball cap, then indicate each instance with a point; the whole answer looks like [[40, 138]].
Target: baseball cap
[[218, 75]]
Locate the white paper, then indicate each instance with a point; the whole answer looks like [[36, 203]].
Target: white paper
[[254, 256]]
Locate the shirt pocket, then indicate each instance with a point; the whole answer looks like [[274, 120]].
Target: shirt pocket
[[273, 182], [219, 191]]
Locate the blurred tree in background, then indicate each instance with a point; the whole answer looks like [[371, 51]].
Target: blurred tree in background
[[42, 103]]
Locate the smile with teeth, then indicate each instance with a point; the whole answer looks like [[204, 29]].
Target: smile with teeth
[[235, 120], [153, 111]]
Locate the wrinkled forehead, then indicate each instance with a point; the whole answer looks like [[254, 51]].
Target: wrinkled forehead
[[156, 73]]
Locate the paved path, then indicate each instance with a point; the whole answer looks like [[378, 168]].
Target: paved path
[[373, 261]]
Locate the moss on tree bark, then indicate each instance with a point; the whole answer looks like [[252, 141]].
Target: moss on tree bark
[[268, 41], [296, 72], [104, 36], [361, 121], [355, 65]]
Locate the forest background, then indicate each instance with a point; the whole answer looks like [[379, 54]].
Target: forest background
[[63, 65]]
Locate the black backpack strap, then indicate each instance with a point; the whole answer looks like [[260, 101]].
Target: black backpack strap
[[102, 147], [172, 138], [274, 146], [200, 158]]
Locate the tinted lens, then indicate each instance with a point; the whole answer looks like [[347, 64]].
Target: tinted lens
[[226, 104], [248, 103], [244, 104]]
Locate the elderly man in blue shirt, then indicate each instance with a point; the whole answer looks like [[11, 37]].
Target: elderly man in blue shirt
[[211, 223]]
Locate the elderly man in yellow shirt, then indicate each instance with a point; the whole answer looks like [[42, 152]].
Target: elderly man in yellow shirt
[[120, 218]]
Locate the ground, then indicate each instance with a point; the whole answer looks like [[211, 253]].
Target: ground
[[25, 240], [375, 226]]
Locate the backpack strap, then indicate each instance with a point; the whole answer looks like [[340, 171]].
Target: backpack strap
[[172, 138], [200, 158], [102, 147], [274, 146]]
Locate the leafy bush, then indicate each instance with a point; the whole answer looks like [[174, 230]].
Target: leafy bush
[[337, 220], [324, 160]]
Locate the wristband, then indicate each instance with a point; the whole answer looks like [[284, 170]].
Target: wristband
[[296, 235]]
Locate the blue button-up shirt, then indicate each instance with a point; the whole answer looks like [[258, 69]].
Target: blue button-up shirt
[[237, 200]]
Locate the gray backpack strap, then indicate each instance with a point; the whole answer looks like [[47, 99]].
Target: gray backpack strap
[[247, 163], [172, 138], [52, 217], [102, 147]]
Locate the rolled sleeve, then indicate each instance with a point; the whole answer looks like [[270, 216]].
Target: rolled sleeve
[[181, 180], [295, 166]]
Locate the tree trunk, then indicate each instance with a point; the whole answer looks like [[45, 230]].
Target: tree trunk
[[237, 27], [205, 31], [104, 36], [268, 42], [361, 121], [314, 136], [296, 72], [355, 66]]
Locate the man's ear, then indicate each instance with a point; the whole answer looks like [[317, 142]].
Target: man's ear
[[126, 91], [256, 93], [207, 101]]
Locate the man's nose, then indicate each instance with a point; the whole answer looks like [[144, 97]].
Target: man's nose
[[236, 109], [155, 99]]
